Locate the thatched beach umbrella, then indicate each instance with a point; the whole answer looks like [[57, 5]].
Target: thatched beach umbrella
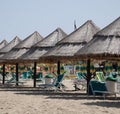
[[66, 48], [39, 49], [20, 49], [3, 43], [9, 46], [104, 45], [6, 49], [43, 46]]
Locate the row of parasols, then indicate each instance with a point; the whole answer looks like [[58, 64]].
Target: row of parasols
[[87, 42]]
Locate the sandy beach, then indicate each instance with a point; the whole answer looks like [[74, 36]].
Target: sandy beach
[[37, 101]]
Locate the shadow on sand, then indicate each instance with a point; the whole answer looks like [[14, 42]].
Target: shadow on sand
[[68, 94], [105, 103]]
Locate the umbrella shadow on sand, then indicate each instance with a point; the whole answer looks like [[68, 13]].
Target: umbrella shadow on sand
[[105, 103], [69, 94]]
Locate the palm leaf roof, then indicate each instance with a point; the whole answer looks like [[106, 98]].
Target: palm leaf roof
[[105, 44], [29, 41], [3, 43], [23, 47], [68, 46], [10, 45], [44, 45]]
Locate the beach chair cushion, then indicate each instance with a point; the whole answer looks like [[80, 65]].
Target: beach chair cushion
[[97, 87], [100, 76], [100, 88], [81, 75]]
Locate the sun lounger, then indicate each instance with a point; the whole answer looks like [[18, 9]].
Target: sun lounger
[[56, 84], [13, 80], [100, 88], [80, 81], [40, 78]]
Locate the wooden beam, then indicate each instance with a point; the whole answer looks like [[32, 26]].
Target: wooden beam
[[17, 77], [88, 75], [34, 76], [3, 73], [58, 67]]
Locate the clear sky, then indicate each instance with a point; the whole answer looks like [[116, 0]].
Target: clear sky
[[22, 17]]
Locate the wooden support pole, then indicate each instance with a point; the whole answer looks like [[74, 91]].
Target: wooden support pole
[[58, 67], [3, 73], [34, 77], [88, 75], [17, 77]]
